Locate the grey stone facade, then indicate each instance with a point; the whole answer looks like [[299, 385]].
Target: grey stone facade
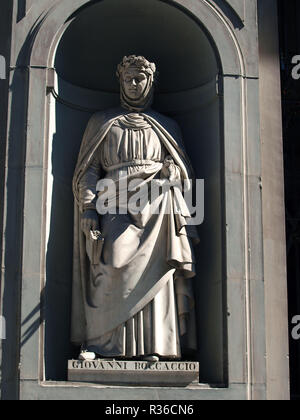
[[223, 106]]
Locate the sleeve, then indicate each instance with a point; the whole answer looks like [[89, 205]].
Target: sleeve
[[88, 183]]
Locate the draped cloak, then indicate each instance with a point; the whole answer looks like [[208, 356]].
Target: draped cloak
[[130, 298]]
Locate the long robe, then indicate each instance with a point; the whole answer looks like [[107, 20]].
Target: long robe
[[138, 300]]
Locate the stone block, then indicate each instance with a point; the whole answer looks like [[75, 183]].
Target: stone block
[[117, 372]]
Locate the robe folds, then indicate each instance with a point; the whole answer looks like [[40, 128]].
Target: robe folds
[[138, 300]]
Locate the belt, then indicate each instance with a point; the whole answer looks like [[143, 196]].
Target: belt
[[135, 162]]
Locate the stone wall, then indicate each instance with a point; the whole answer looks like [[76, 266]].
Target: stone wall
[[231, 296]]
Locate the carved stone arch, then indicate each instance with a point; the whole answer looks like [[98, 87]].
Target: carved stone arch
[[55, 21], [234, 10]]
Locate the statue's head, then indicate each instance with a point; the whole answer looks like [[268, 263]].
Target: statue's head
[[136, 75]]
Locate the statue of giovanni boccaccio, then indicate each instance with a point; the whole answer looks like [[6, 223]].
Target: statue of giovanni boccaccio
[[132, 288]]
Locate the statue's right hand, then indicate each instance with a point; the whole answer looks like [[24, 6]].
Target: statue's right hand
[[90, 221]]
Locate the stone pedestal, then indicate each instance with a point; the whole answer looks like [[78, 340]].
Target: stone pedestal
[[114, 372]]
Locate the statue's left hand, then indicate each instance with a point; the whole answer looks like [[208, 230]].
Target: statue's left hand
[[90, 221], [170, 170]]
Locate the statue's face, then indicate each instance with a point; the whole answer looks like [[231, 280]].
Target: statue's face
[[134, 83]]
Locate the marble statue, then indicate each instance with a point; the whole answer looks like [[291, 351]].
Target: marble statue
[[132, 288]]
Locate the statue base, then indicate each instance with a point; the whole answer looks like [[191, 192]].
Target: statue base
[[121, 372]]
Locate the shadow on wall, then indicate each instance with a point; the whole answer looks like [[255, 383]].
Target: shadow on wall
[[70, 126], [32, 322], [21, 10], [231, 14]]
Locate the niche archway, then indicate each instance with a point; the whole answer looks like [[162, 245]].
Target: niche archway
[[95, 40], [86, 58]]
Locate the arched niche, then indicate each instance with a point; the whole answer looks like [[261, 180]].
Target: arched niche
[[95, 39]]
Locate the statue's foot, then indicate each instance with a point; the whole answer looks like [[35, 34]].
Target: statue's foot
[[151, 358], [87, 355]]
